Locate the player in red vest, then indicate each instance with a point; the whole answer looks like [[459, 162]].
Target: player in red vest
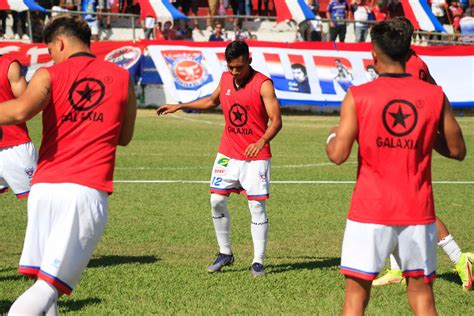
[[86, 115], [243, 161], [392, 207], [463, 261], [17, 152]]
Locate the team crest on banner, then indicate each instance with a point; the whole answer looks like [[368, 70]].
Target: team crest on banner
[[187, 68], [125, 57]]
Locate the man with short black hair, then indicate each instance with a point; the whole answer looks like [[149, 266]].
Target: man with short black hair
[[86, 114], [392, 206], [243, 161]]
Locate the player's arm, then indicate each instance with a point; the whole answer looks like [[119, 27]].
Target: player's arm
[[272, 108], [16, 79], [449, 141], [342, 137], [203, 104], [30, 103], [128, 124]]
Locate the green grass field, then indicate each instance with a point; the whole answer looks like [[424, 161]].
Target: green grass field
[[160, 239]]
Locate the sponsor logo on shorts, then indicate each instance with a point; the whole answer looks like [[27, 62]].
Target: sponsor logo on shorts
[[56, 263], [29, 172], [263, 177], [219, 171], [223, 162]]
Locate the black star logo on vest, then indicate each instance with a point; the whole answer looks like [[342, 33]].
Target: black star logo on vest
[[399, 117], [86, 93], [238, 115]]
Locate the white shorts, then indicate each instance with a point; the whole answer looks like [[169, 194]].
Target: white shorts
[[94, 26], [65, 223], [251, 177], [17, 165], [366, 247]]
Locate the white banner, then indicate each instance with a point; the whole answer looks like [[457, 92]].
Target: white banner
[[303, 75]]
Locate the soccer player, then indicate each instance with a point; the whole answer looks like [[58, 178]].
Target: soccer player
[[243, 160], [462, 261], [17, 153], [86, 114], [392, 208]]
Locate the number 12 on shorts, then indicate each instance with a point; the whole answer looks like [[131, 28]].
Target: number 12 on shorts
[[216, 181]]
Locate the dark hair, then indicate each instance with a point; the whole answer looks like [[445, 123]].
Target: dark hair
[[235, 50], [409, 27], [371, 67], [393, 38], [67, 25], [299, 66]]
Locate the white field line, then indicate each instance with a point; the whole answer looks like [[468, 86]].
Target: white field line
[[273, 182], [185, 118], [207, 167]]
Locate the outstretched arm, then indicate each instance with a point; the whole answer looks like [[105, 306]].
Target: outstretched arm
[[342, 137], [272, 107], [201, 105], [128, 124], [30, 103], [449, 141]]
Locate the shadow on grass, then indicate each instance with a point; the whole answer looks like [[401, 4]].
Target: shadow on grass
[[8, 269], [11, 278], [449, 276], [75, 305], [105, 261], [309, 264], [5, 306]]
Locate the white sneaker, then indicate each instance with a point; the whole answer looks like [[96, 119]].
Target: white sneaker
[[25, 37], [17, 37]]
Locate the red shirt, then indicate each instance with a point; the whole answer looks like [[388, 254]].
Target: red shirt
[[82, 123], [398, 118], [417, 67], [14, 134], [246, 118]]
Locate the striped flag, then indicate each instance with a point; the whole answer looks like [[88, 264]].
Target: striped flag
[[20, 5], [162, 10], [296, 10], [420, 15]]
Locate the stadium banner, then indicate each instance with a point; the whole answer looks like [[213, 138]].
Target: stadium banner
[[303, 73]]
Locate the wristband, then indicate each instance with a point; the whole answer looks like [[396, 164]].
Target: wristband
[[331, 136]]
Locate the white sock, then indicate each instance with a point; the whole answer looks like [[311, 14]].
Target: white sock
[[259, 229], [221, 220], [451, 248], [37, 300], [53, 310], [393, 263]]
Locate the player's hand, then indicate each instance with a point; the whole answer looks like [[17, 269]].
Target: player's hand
[[254, 149], [166, 109]]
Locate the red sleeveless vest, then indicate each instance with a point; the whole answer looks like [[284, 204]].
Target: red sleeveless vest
[[82, 123], [398, 118], [246, 119]]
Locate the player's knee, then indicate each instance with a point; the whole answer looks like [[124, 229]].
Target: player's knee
[[218, 202], [257, 209]]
